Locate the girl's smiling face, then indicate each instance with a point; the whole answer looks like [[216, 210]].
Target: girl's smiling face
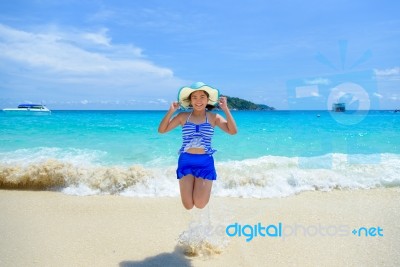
[[199, 100]]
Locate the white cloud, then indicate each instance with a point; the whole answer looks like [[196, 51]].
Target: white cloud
[[307, 91], [388, 74], [61, 53], [81, 62], [100, 38], [318, 81], [161, 100], [378, 95]]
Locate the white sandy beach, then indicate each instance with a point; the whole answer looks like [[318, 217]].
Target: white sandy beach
[[53, 229]]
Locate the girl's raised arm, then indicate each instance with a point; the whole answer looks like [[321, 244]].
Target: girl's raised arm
[[227, 125], [166, 123]]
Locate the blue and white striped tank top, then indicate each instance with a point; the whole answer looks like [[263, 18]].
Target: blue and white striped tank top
[[197, 136]]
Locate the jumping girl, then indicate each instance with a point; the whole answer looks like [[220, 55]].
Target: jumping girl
[[196, 170]]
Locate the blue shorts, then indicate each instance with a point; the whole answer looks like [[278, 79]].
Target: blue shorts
[[198, 165]]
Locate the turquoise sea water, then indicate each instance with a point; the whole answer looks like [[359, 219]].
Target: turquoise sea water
[[274, 154]]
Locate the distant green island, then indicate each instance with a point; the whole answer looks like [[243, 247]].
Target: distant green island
[[236, 103]]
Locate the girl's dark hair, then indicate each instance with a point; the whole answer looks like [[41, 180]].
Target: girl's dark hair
[[208, 107]]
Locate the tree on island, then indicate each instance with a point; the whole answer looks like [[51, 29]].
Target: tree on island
[[236, 103]]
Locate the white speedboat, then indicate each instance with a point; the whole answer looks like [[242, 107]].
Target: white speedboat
[[28, 109]]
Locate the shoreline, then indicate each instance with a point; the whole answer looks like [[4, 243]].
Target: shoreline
[[45, 228]]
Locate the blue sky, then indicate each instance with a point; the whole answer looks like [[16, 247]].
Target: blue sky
[[75, 54]]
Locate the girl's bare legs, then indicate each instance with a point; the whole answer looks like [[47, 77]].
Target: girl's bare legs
[[201, 192], [194, 191], [186, 184]]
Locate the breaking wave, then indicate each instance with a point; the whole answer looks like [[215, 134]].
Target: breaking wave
[[264, 177]]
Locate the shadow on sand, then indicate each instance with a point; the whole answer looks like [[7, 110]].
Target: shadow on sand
[[175, 258]]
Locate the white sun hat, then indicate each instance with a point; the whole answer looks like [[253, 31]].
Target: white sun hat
[[184, 93]]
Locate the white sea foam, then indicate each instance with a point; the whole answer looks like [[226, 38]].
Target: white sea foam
[[205, 235], [40, 154], [80, 173], [281, 176]]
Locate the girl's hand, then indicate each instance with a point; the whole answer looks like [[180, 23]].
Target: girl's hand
[[174, 106], [223, 103]]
